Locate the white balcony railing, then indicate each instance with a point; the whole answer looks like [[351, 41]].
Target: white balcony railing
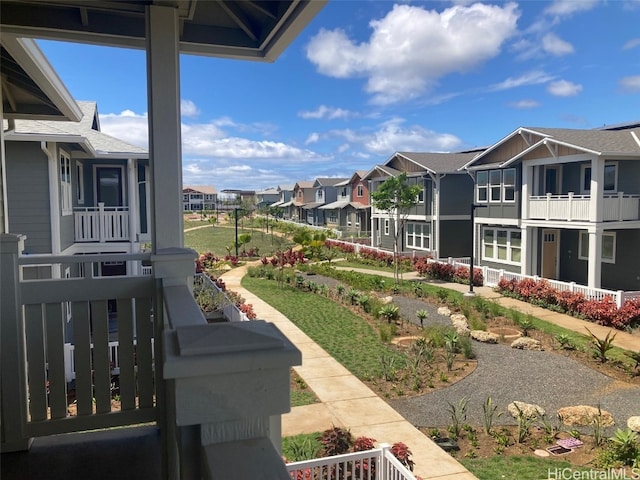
[[570, 207], [376, 464], [101, 224]]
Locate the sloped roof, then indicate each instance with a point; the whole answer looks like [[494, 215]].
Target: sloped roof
[[623, 142], [304, 184], [101, 144], [389, 171], [206, 189], [285, 188], [328, 181], [438, 162], [340, 204], [310, 205]]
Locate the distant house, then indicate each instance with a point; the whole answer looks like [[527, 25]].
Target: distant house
[[285, 202], [196, 198], [303, 194], [350, 213], [440, 223], [562, 204], [267, 197], [232, 197], [325, 192]]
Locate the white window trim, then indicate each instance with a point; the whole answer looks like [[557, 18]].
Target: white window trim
[[420, 198], [79, 183], [602, 259], [359, 191], [491, 186], [123, 193], [386, 226], [504, 185], [587, 191], [66, 192], [485, 187], [422, 238], [494, 243]]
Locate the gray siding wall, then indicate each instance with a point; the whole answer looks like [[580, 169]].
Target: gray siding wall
[[456, 194], [28, 195], [455, 238], [629, 176], [622, 275]]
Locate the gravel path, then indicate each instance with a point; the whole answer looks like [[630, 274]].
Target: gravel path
[[506, 374]]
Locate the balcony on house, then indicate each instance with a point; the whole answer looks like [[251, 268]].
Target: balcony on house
[[617, 207], [101, 224]]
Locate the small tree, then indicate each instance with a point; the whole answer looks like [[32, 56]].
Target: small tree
[[396, 197]]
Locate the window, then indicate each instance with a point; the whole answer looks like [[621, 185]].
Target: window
[[502, 245], [482, 185], [509, 185], [360, 191], [419, 236], [610, 178], [80, 183], [65, 184], [343, 192], [495, 177], [386, 226], [357, 219], [333, 217], [608, 253], [420, 198], [319, 195], [185, 198]]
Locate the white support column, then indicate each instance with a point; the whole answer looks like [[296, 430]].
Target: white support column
[[525, 264], [595, 263], [163, 90], [597, 188], [435, 216], [525, 192], [532, 240], [54, 194], [4, 209]]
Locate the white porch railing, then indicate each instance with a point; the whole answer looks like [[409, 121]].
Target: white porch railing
[[377, 464], [492, 276], [101, 224], [619, 207], [77, 308]]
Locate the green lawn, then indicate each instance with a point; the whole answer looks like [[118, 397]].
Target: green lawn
[[345, 336], [216, 239], [521, 468]]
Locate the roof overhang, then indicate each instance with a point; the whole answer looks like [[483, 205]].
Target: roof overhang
[[79, 140], [31, 89], [248, 29]]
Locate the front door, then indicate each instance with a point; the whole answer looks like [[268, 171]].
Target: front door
[[109, 188], [551, 179], [550, 254]]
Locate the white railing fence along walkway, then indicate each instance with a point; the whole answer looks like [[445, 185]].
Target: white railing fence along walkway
[[230, 310], [492, 277], [376, 464]]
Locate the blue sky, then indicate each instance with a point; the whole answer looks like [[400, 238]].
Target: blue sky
[[368, 78]]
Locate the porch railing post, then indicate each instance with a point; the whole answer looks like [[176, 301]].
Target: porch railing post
[[102, 223], [13, 391], [381, 472]]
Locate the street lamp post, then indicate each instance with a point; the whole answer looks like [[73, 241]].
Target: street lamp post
[[471, 293], [235, 214]]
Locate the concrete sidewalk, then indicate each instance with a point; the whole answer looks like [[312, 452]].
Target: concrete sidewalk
[[346, 401]]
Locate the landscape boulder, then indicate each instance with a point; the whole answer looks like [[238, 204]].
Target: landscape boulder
[[484, 337], [584, 415], [460, 323], [634, 423], [527, 343], [528, 410], [444, 311]]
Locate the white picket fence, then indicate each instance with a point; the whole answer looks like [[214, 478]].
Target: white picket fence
[[492, 276], [376, 464], [230, 310]]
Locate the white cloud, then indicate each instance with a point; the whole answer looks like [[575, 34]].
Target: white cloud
[[524, 104], [312, 138], [630, 84], [324, 112], [422, 45], [127, 126], [633, 43], [554, 45], [188, 108], [564, 88], [343, 148], [393, 137], [563, 8], [534, 77]]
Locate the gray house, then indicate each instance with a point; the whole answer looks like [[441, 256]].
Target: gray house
[[325, 192], [562, 204], [350, 213], [439, 224]]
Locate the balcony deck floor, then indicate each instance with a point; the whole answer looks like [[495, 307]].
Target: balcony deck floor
[[131, 453]]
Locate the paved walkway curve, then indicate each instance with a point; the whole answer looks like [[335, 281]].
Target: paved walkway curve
[[346, 401]]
